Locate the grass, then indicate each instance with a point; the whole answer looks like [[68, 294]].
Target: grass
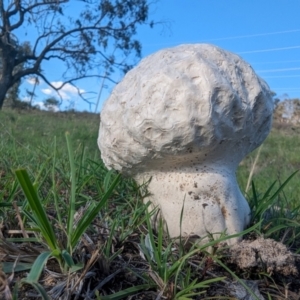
[[72, 230], [278, 159]]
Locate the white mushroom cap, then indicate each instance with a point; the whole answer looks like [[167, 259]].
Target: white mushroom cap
[[184, 104]]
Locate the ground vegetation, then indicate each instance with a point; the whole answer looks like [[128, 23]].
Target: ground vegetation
[[71, 229]]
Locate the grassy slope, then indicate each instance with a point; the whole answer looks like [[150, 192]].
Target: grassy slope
[[37, 128], [22, 132]]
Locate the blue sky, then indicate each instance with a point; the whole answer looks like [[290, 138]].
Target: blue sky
[[265, 33]]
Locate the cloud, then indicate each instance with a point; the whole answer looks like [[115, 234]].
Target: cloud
[[66, 92], [26, 99], [47, 91]]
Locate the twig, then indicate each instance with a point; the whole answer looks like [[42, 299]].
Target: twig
[[90, 263], [25, 235], [252, 169]]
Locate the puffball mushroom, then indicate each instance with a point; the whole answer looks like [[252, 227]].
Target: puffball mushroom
[[185, 117]]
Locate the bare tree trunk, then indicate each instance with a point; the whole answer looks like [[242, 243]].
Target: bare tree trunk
[[7, 62], [3, 90]]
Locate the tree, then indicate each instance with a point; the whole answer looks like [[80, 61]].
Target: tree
[[52, 104], [86, 43]]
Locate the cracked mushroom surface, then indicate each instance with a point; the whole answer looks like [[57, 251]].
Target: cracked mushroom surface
[[185, 117]]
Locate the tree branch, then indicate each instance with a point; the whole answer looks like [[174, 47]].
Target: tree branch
[[22, 12]]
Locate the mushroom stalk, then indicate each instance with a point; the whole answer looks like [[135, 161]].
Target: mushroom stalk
[[208, 195]]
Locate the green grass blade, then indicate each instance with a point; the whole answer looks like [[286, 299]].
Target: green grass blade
[[38, 180], [16, 291], [67, 258], [181, 247], [23, 240], [30, 217], [37, 267], [54, 192], [9, 267], [127, 292], [261, 205], [82, 161], [160, 236], [148, 247], [13, 189], [283, 185], [35, 204], [109, 241], [107, 179], [156, 254], [255, 196], [146, 250], [267, 193], [200, 285], [85, 222], [71, 209], [274, 230], [77, 267], [38, 287]]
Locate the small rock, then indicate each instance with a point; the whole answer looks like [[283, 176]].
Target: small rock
[[238, 291]]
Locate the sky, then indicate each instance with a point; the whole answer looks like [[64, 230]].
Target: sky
[[265, 33]]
